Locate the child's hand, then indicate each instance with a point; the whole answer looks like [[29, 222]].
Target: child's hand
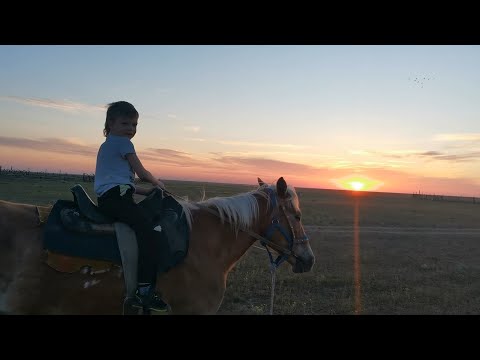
[[161, 185]]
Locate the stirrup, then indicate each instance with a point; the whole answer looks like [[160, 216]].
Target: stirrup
[[129, 309]]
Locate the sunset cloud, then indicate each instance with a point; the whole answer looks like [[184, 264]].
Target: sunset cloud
[[63, 105], [192, 128], [269, 154], [261, 164], [341, 164], [54, 145], [169, 157], [261, 144], [169, 153], [224, 163], [396, 154], [460, 157], [359, 152], [436, 155], [431, 155], [457, 137]]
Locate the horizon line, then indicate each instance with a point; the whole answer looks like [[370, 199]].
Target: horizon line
[[244, 184]]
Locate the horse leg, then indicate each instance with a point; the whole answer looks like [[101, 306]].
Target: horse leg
[[196, 305], [7, 265], [23, 271], [198, 296]]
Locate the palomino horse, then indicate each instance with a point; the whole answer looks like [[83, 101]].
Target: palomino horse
[[222, 230]]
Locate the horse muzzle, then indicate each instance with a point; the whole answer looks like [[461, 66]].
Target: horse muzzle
[[303, 264]]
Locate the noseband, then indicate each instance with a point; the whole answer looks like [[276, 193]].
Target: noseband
[[275, 225]]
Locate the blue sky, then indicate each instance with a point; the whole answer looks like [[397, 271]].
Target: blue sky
[[405, 116]]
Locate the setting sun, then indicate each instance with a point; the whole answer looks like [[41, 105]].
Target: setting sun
[[357, 183]]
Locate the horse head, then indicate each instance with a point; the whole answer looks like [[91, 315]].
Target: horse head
[[283, 227]]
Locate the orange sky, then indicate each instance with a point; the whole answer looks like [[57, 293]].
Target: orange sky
[[167, 164]]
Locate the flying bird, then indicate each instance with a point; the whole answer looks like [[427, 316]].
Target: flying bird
[[421, 80]]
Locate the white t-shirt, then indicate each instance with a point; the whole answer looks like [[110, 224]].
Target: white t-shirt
[[112, 167]]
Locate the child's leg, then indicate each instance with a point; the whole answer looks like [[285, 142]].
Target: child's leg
[[124, 209]]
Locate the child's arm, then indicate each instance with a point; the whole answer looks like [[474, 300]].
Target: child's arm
[[141, 172]]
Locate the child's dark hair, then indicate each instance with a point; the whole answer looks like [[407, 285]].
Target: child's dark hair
[[119, 109]]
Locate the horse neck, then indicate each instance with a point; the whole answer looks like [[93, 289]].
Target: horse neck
[[244, 240], [264, 215], [226, 246]]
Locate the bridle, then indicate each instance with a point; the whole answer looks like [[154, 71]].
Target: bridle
[[275, 225]]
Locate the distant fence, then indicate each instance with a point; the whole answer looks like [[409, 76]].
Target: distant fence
[[14, 173], [88, 177], [433, 197]]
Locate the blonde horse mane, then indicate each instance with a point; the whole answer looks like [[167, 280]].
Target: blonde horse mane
[[239, 210]]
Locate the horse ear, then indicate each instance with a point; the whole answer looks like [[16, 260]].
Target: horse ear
[[281, 187], [260, 181]]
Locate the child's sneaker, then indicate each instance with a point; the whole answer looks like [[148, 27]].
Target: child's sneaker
[[149, 301], [157, 304]]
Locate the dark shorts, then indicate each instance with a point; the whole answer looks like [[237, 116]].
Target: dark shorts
[[126, 210]]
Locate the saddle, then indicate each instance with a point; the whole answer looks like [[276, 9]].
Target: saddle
[[87, 218], [79, 230]]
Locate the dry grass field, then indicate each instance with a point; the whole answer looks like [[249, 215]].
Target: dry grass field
[[376, 253]]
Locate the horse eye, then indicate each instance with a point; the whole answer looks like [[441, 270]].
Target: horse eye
[[297, 217]]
